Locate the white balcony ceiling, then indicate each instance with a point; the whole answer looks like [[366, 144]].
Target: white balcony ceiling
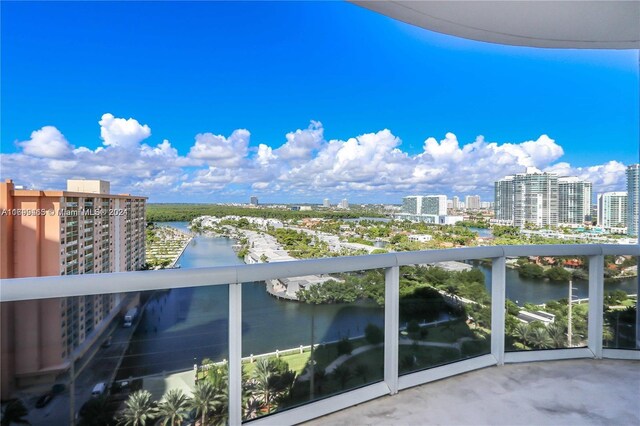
[[552, 24]]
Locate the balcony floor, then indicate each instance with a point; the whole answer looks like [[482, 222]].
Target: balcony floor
[[572, 392]]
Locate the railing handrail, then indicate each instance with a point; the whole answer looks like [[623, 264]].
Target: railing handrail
[[120, 282]]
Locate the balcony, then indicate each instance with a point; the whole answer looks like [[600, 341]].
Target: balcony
[[224, 327]]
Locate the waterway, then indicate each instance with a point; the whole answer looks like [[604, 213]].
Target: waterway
[[181, 327], [482, 232], [185, 325], [524, 290]]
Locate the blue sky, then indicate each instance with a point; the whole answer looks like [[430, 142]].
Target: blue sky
[[225, 83]]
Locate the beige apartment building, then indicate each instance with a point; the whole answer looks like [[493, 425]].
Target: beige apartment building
[[82, 230]]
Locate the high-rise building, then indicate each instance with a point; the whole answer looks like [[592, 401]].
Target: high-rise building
[[456, 202], [82, 230], [253, 201], [633, 200], [504, 200], [612, 210], [574, 200], [534, 199], [472, 202], [326, 203], [434, 205], [412, 204], [344, 204]]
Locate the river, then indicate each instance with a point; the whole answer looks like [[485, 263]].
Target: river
[[185, 325]]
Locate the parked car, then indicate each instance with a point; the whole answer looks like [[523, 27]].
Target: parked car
[[99, 389], [44, 400], [106, 343], [58, 388]]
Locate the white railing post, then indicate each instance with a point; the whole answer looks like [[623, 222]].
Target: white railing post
[[235, 354], [596, 302], [391, 327], [498, 290]]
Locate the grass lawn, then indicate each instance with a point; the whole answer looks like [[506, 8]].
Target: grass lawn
[[448, 333], [297, 362]]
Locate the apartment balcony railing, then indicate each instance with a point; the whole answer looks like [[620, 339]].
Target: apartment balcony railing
[[394, 375]]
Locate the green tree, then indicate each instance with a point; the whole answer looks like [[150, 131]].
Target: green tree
[[531, 270], [342, 373], [95, 412], [139, 410], [540, 338], [557, 273], [204, 400], [557, 333], [173, 408], [262, 374], [344, 346], [14, 412], [373, 334], [522, 332]]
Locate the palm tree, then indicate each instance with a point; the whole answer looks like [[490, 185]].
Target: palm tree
[[251, 408], [540, 338], [14, 412], [342, 374], [139, 409], [557, 334], [203, 400], [262, 374], [173, 408], [523, 333]]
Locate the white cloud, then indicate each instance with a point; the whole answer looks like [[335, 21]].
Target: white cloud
[[216, 150], [306, 165], [47, 142], [121, 132], [301, 144], [610, 176]]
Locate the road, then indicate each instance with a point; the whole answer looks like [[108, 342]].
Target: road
[[97, 365]]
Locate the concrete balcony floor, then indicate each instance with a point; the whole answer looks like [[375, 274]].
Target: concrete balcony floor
[[570, 392]]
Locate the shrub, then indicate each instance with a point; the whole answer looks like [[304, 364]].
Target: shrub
[[373, 334]]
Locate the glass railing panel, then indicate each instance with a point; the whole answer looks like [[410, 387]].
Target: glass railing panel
[[445, 314], [620, 302], [143, 347], [538, 314], [307, 338]]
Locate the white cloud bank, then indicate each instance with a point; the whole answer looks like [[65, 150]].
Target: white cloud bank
[[306, 166]]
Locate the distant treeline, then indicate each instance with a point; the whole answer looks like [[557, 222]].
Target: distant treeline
[[187, 212]]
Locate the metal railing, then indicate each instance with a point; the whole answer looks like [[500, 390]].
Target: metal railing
[[234, 276]]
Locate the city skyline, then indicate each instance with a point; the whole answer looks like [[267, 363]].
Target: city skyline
[[306, 125]]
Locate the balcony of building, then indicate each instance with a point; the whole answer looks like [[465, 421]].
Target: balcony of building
[[460, 360]]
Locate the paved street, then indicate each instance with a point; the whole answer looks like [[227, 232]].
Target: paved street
[[97, 365]]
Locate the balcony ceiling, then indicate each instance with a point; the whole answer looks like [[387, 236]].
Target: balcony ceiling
[[551, 24]]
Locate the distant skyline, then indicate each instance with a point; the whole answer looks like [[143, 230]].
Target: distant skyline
[[297, 102]]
